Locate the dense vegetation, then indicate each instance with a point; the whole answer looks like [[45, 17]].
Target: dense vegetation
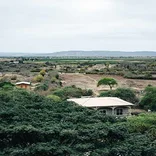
[[122, 93], [32, 125], [72, 91], [149, 99]]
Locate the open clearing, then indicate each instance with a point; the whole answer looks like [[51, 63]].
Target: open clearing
[[89, 81]]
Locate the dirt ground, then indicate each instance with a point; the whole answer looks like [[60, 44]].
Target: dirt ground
[[89, 81]]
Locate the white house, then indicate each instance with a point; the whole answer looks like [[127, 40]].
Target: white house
[[107, 105]]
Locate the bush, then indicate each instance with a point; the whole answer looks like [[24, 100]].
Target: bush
[[42, 87], [6, 85], [42, 72], [57, 76], [53, 80], [68, 92], [13, 77], [149, 99], [88, 92], [123, 93], [54, 98], [38, 78]]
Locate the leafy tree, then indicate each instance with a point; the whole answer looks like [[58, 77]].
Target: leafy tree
[[149, 99], [122, 93], [107, 81]]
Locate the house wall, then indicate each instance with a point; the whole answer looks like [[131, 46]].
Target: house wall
[[25, 86], [125, 111], [108, 110], [113, 110]]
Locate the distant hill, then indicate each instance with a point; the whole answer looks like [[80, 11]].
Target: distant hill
[[102, 53], [85, 54]]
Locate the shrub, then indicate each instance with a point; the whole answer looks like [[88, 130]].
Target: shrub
[[42, 72], [149, 99], [54, 98], [42, 87], [13, 77], [53, 80], [123, 93], [68, 92], [57, 76], [6, 85], [38, 78], [88, 92]]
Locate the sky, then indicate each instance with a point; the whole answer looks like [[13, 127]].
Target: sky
[[60, 25]]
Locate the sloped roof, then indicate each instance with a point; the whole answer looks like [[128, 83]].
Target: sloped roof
[[18, 83], [101, 102]]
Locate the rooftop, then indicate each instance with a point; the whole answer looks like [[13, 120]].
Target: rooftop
[[18, 83], [101, 102]]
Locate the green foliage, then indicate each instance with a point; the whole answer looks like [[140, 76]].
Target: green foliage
[[68, 92], [54, 98], [149, 99], [38, 78], [122, 93], [88, 92], [142, 123], [107, 81], [53, 80], [38, 126], [57, 76], [42, 72], [42, 87], [6, 85], [72, 91], [148, 75]]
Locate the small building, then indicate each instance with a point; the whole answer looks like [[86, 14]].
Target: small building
[[107, 105], [16, 62], [25, 85]]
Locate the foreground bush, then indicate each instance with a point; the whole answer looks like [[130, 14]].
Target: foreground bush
[[32, 125]]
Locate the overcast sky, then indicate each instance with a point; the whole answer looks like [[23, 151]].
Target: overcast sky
[[58, 25]]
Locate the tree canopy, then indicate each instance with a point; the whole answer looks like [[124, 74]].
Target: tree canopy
[[149, 99], [38, 126], [107, 81], [122, 93]]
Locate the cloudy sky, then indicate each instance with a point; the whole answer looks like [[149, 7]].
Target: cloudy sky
[[56, 25]]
